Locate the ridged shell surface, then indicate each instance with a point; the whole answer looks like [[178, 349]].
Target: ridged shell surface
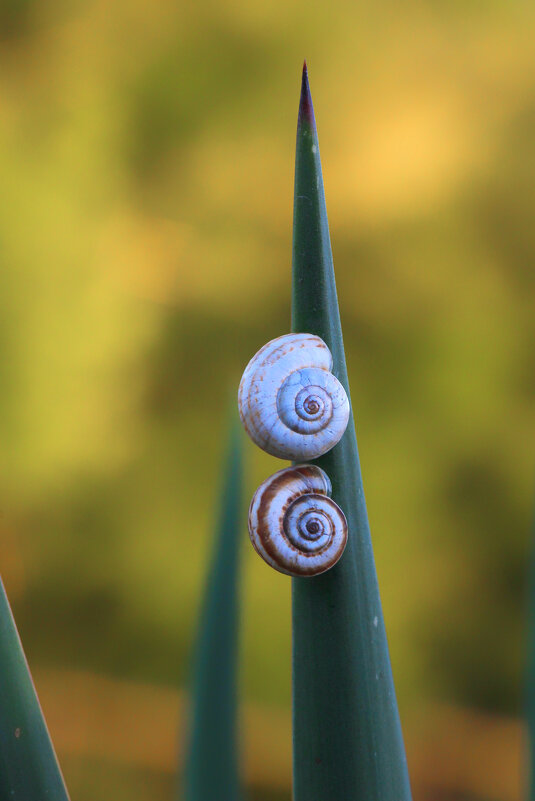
[[293, 523], [290, 403]]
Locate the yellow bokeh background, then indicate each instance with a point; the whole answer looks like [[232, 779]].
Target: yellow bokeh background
[[147, 156]]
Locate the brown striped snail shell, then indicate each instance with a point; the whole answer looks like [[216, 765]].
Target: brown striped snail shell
[[290, 403], [293, 523]]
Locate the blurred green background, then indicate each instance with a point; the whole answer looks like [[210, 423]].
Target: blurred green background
[[147, 156]]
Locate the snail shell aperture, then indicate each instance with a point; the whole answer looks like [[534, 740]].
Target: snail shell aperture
[[293, 523], [290, 403]]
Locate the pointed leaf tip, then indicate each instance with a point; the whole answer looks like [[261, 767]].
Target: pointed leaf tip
[[306, 110]]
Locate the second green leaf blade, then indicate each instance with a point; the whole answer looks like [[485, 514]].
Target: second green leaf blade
[[211, 762]]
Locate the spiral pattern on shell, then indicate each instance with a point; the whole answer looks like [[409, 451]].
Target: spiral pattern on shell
[[293, 523], [290, 403]]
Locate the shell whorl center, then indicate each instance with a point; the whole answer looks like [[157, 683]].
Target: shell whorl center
[[312, 406], [304, 407], [309, 524]]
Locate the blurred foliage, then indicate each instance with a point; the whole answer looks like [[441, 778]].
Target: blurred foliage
[[143, 266]]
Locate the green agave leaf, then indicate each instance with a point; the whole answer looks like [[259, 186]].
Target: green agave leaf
[[29, 770], [530, 677], [347, 735], [211, 767]]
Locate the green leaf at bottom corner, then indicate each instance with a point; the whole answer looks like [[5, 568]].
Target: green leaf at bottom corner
[[29, 769]]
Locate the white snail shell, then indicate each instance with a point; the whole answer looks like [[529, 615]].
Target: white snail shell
[[290, 403], [294, 525]]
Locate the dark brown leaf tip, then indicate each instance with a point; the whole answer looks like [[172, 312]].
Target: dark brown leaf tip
[[306, 109]]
